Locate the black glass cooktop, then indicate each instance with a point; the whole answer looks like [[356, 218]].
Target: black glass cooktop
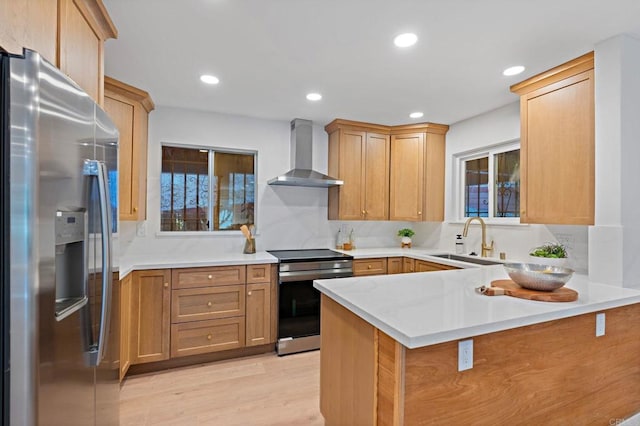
[[306, 255]]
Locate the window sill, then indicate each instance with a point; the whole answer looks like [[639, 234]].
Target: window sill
[[178, 234], [488, 223]]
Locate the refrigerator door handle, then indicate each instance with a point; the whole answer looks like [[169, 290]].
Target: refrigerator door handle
[[99, 170]]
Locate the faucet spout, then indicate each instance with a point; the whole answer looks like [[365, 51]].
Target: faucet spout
[[486, 249]]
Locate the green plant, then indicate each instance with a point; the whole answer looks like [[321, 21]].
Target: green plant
[[552, 250], [406, 232]]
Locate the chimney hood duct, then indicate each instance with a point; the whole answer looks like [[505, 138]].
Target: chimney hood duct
[[301, 155]]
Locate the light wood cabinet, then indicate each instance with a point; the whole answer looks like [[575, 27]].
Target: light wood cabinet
[[258, 319], [360, 157], [68, 33], [125, 325], [557, 145], [129, 108], [196, 304], [389, 172], [424, 266], [151, 315], [373, 266], [198, 337], [408, 265], [395, 265], [211, 276]]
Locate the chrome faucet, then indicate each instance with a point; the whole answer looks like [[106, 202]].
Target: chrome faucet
[[486, 249]]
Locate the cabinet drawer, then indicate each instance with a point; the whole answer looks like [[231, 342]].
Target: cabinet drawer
[[375, 266], [205, 277], [207, 336], [258, 273], [424, 266], [207, 303]]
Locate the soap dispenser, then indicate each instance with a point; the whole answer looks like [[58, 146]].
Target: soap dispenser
[[459, 244]]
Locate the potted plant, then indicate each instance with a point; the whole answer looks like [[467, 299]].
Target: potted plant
[[552, 254], [406, 235]]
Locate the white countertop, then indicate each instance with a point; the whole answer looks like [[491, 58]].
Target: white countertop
[[188, 260], [421, 309]]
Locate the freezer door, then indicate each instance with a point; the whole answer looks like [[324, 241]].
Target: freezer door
[[52, 134]]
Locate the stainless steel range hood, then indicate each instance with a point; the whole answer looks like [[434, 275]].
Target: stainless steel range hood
[[301, 173]]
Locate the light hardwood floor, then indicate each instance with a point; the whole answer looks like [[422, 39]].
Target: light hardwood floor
[[260, 390]]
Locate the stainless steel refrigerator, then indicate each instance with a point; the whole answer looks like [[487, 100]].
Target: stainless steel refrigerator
[[59, 211]]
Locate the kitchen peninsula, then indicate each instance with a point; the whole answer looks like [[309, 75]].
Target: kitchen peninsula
[[390, 352]]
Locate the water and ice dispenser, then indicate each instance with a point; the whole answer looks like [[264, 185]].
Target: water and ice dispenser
[[71, 261]]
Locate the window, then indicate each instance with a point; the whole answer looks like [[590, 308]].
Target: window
[[488, 183], [206, 189]]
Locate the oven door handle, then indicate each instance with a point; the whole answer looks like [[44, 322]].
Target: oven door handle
[[286, 277]]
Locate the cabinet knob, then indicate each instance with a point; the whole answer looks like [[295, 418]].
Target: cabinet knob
[[210, 276], [166, 285], [368, 266], [523, 212], [209, 304], [209, 337], [419, 213], [249, 294], [364, 212], [135, 209]]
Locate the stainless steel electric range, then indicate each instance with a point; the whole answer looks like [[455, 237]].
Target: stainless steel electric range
[[298, 301]]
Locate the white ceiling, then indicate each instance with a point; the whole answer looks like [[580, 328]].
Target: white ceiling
[[269, 54]]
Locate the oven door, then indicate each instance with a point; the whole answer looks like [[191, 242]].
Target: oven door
[[298, 310]]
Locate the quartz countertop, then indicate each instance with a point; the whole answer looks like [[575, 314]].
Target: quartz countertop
[[427, 308], [188, 260]]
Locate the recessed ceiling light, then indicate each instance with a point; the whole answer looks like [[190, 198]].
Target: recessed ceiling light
[[513, 70], [416, 114], [209, 79], [405, 40], [314, 96]]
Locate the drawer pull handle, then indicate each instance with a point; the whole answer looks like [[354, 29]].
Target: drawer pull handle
[[249, 294], [419, 212], [210, 276], [166, 285], [368, 266], [135, 209], [209, 304], [209, 337]]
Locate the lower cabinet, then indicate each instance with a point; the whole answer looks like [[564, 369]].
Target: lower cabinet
[[394, 265], [408, 265], [192, 311], [373, 266], [424, 266], [150, 315], [125, 325]]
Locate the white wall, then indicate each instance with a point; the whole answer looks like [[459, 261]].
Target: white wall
[[287, 217], [500, 125]]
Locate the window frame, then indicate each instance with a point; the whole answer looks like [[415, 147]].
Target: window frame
[[459, 160], [210, 158]]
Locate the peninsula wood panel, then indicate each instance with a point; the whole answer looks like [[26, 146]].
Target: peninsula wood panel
[[558, 164], [554, 373], [204, 277], [348, 347], [373, 266], [376, 177], [29, 23], [258, 317], [151, 315], [407, 177], [206, 303], [390, 381]]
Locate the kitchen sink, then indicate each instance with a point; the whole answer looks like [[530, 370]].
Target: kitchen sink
[[467, 259]]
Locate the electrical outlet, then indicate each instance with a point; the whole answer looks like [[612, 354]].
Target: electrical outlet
[[600, 319], [465, 354]]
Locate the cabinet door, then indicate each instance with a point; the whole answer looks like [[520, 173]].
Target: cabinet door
[[394, 265], [80, 48], [433, 208], [125, 325], [424, 266], [29, 23], [408, 265], [558, 153], [376, 177], [258, 314], [351, 171], [373, 266], [151, 308], [407, 177]]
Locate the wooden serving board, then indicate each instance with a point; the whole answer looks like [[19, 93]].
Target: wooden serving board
[[512, 289]]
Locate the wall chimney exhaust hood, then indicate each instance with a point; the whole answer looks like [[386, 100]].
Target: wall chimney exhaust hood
[[301, 173]]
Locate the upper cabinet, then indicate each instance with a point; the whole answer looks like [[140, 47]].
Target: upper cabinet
[[129, 108], [389, 172], [68, 33], [557, 145], [360, 157]]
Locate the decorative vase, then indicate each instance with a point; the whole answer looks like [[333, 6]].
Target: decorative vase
[[405, 242], [548, 261]]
